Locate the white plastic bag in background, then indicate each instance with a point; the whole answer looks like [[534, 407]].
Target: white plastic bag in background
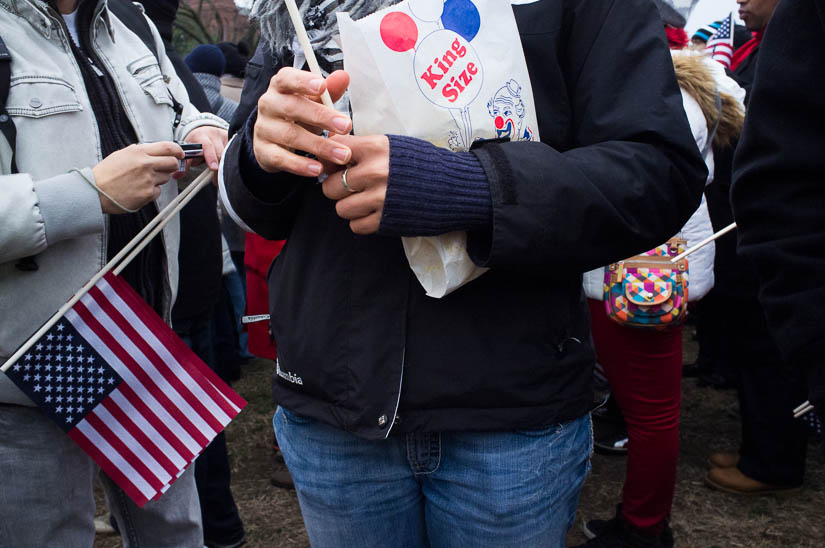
[[449, 72]]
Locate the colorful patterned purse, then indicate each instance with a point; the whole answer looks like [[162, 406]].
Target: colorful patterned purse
[[647, 290]]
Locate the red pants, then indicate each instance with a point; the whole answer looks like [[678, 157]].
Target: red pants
[[644, 368]]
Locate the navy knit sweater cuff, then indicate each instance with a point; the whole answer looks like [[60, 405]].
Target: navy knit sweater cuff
[[433, 191]]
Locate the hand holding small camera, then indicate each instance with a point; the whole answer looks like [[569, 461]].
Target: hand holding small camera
[[133, 176]]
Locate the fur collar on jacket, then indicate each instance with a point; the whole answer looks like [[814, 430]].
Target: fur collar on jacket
[[696, 78]]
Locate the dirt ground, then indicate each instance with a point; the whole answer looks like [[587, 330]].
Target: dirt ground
[[702, 518]]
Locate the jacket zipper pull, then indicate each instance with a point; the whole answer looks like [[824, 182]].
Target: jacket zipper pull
[[94, 68]]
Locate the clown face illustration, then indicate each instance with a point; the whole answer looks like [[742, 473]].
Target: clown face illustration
[[507, 110]]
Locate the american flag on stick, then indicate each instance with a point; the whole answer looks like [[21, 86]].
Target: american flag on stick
[[119, 381], [126, 389], [720, 45]]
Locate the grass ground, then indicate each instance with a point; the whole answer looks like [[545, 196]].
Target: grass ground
[[702, 518]]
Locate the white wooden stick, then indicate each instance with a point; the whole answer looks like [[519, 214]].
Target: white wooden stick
[[703, 243], [162, 217], [803, 410], [306, 45]]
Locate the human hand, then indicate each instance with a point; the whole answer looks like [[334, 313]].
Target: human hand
[[213, 139], [291, 118], [367, 177], [133, 175]]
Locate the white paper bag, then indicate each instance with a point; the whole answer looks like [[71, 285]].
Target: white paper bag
[[449, 72]]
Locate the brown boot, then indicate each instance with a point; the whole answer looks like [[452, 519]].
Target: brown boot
[[723, 460], [281, 477], [732, 480]]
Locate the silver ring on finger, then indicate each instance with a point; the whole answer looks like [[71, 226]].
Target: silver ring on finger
[[344, 181]]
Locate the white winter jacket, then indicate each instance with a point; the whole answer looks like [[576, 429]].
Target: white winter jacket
[[45, 210], [698, 227]]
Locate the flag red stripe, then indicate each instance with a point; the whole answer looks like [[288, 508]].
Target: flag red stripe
[[162, 368], [157, 422], [114, 440], [143, 379], [156, 333], [144, 440], [107, 466], [168, 338]]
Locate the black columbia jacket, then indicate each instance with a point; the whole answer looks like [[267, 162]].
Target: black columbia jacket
[[361, 347]]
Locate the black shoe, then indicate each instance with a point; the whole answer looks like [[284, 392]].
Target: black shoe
[[610, 438], [715, 380], [209, 543], [696, 369], [616, 533]]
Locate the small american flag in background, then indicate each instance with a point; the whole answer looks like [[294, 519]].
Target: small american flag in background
[[720, 45], [126, 389]]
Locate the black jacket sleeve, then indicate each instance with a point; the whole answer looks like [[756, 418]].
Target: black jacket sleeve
[[778, 193], [633, 174]]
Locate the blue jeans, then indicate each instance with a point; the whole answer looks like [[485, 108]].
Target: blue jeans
[[47, 493], [451, 489]]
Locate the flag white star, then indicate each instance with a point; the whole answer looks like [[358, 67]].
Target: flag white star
[[60, 327], [37, 388], [59, 409]]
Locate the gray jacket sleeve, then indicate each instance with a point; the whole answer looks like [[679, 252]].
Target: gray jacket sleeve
[[36, 214]]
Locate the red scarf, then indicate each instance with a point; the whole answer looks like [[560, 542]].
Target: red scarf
[[747, 48]]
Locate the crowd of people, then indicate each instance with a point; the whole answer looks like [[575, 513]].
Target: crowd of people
[[402, 419]]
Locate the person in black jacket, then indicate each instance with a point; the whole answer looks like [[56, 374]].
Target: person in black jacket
[[771, 456], [779, 187], [412, 421]]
